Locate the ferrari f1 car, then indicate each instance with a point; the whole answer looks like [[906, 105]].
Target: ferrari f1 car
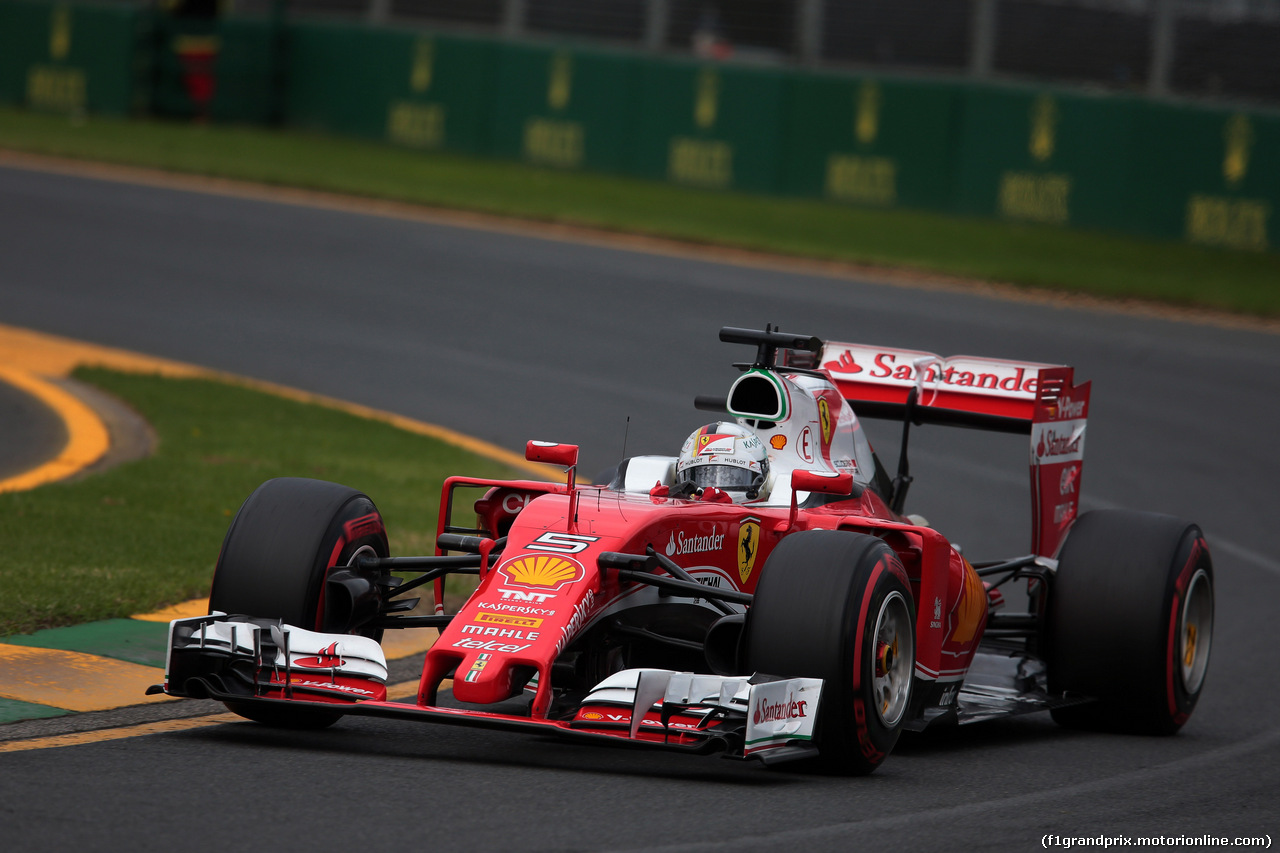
[[763, 595]]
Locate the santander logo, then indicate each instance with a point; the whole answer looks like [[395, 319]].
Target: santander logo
[[681, 544], [967, 374], [769, 712], [326, 658], [1056, 444], [844, 364]]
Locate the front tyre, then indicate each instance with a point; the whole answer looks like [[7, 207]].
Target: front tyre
[[1130, 621], [836, 605], [275, 564]]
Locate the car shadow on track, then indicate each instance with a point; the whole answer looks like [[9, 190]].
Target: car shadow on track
[[982, 737], [479, 748]]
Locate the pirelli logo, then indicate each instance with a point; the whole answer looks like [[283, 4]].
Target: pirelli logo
[[508, 619]]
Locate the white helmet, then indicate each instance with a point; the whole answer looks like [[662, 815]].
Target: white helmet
[[724, 455]]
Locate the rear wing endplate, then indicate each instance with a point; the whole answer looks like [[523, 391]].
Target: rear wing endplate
[[1028, 398]]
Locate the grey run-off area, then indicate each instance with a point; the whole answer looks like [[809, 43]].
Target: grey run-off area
[[512, 337]]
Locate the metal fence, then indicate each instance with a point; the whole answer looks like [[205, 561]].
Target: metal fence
[[1209, 49]]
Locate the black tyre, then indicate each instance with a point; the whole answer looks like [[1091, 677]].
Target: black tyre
[[837, 606], [1130, 621], [275, 560]]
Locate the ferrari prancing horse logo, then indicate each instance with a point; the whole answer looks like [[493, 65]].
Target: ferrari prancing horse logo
[[824, 418], [748, 545]]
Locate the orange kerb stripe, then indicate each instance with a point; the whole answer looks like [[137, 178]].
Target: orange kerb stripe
[[87, 438], [403, 690], [185, 610], [74, 680]]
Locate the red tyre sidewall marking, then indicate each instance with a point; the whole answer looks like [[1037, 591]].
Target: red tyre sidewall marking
[[859, 708], [356, 528], [1179, 594]]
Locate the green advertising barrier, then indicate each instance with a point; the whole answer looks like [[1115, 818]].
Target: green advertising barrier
[[709, 125], [249, 71], [225, 69], [411, 88], [1209, 177], [564, 107], [72, 58], [870, 141], [1046, 156]]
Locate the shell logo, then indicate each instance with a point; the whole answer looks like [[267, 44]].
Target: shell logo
[[542, 570], [592, 715]]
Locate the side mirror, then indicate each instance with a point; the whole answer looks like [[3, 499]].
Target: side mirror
[[823, 482], [552, 453]]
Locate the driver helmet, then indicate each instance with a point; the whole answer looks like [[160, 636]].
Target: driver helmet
[[727, 456]]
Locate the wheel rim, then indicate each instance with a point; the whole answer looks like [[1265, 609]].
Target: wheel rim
[[1195, 632], [364, 551], [894, 650]]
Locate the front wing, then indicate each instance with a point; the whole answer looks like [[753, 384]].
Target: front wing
[[262, 663]]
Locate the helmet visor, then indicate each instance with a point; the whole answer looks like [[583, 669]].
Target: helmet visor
[[722, 476]]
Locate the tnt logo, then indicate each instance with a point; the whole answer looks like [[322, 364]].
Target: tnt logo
[[533, 597]]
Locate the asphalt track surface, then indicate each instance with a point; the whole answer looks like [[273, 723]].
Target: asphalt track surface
[[31, 432], [514, 337]]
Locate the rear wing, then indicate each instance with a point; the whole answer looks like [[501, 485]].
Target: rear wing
[[1040, 400]]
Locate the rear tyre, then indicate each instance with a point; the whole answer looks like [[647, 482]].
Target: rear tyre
[[275, 561], [1130, 621], [837, 606]]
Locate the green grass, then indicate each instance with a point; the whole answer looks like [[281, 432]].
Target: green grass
[[1034, 256], [146, 534]]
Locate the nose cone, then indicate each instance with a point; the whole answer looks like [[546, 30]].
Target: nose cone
[[485, 677]]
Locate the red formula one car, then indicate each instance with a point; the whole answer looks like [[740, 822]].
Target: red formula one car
[[761, 595]]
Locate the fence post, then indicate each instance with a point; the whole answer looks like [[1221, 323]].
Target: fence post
[[1164, 25], [656, 16], [809, 24], [513, 18], [982, 38]]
